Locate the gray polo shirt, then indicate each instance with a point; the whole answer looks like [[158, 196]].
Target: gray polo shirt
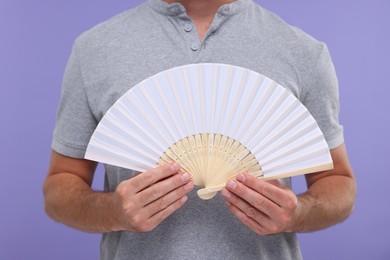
[[112, 57]]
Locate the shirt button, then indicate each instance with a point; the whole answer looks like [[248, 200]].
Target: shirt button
[[187, 27], [174, 9], [225, 10], [194, 47]]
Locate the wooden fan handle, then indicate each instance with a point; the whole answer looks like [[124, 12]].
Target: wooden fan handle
[[209, 193]]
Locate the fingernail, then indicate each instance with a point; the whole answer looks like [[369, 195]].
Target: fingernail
[[184, 199], [189, 186], [175, 167], [232, 185], [185, 177], [241, 177], [226, 193]]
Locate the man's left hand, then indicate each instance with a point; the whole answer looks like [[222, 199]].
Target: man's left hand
[[266, 207]]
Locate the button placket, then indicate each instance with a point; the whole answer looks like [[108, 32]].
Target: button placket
[[190, 35]]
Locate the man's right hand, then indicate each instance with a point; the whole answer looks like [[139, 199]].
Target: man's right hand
[[138, 204], [145, 200]]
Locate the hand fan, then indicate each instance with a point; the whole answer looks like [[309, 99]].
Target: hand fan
[[216, 121]]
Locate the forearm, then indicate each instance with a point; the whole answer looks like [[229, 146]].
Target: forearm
[[71, 201], [328, 201]]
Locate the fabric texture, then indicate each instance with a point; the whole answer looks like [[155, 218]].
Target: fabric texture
[[109, 59]]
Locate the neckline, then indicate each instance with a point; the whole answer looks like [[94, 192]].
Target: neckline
[[176, 9]]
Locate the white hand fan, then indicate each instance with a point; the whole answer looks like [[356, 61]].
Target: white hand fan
[[216, 121]]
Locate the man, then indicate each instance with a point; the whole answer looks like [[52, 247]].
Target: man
[[156, 214]]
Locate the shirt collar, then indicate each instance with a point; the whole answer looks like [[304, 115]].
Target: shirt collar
[[176, 9]]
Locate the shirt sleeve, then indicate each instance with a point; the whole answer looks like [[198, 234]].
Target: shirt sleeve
[[75, 122], [321, 97]]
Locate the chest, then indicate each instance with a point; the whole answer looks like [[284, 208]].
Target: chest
[[127, 61]]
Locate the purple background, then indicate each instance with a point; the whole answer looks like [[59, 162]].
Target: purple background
[[35, 43]]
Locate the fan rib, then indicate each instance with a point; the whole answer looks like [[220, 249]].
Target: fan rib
[[203, 106]]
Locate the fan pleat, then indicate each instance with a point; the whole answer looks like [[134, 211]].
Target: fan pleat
[[226, 86], [106, 153], [294, 147], [258, 131], [117, 128], [305, 159], [285, 125], [264, 95], [248, 100], [161, 114], [140, 119], [175, 90], [241, 78], [265, 149], [108, 137]]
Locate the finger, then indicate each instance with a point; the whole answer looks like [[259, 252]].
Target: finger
[[160, 189], [136, 173], [272, 190], [254, 198], [247, 221], [160, 216], [165, 201], [152, 176], [247, 209]]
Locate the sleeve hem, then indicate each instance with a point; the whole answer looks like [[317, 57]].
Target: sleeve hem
[[335, 141], [67, 150]]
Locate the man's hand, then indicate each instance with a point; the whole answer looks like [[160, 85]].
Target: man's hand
[[265, 207], [144, 201], [138, 204], [269, 207]]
